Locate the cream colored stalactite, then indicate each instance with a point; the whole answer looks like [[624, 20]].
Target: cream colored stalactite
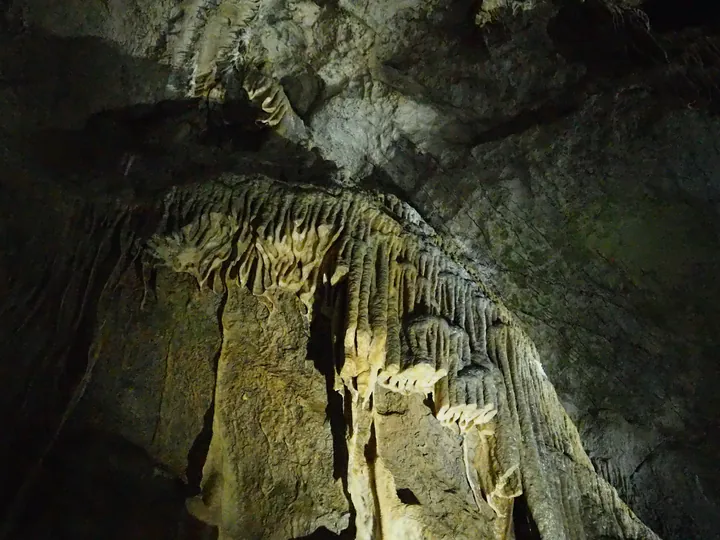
[[407, 288], [551, 425], [292, 244], [503, 440], [380, 290], [492, 449], [269, 95], [199, 248], [557, 429], [491, 480], [612, 474], [214, 43], [471, 473], [505, 350], [478, 324], [366, 332], [284, 250], [394, 345], [457, 299], [364, 337], [366, 260], [355, 364], [265, 235], [427, 360], [361, 478], [555, 469], [458, 391], [213, 36], [477, 409], [555, 446], [489, 441]]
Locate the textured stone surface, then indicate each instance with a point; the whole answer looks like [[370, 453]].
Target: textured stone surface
[[562, 146], [432, 486], [155, 376], [269, 258], [269, 470], [378, 266]]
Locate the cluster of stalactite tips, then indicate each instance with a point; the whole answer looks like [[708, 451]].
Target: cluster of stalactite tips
[[213, 38], [409, 318]]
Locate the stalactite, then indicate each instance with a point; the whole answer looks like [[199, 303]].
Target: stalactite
[[414, 322], [268, 95], [361, 481], [210, 36]]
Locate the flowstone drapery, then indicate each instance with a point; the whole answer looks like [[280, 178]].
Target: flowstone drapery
[[214, 43], [407, 320]]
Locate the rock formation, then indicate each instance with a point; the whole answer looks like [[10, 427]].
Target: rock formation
[[411, 332], [325, 252]]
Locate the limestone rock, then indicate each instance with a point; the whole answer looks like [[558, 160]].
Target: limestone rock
[[563, 151], [334, 442], [269, 470], [295, 240], [155, 376]]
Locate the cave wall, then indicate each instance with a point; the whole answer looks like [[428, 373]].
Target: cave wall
[[257, 248], [582, 181], [154, 378]]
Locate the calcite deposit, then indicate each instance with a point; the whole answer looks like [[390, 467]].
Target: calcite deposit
[[407, 319]]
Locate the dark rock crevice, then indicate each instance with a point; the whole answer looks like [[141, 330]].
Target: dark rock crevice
[[199, 450], [322, 533], [320, 350], [406, 496], [524, 525], [674, 15], [675, 61], [325, 350]]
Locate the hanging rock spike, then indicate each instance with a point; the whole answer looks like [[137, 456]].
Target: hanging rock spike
[[414, 322]]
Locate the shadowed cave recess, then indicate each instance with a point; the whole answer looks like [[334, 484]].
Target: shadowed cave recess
[[303, 269]]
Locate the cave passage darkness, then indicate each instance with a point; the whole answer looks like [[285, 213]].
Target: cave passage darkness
[[673, 15]]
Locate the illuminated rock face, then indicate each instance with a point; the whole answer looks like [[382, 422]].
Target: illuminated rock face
[[411, 334], [579, 170]]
